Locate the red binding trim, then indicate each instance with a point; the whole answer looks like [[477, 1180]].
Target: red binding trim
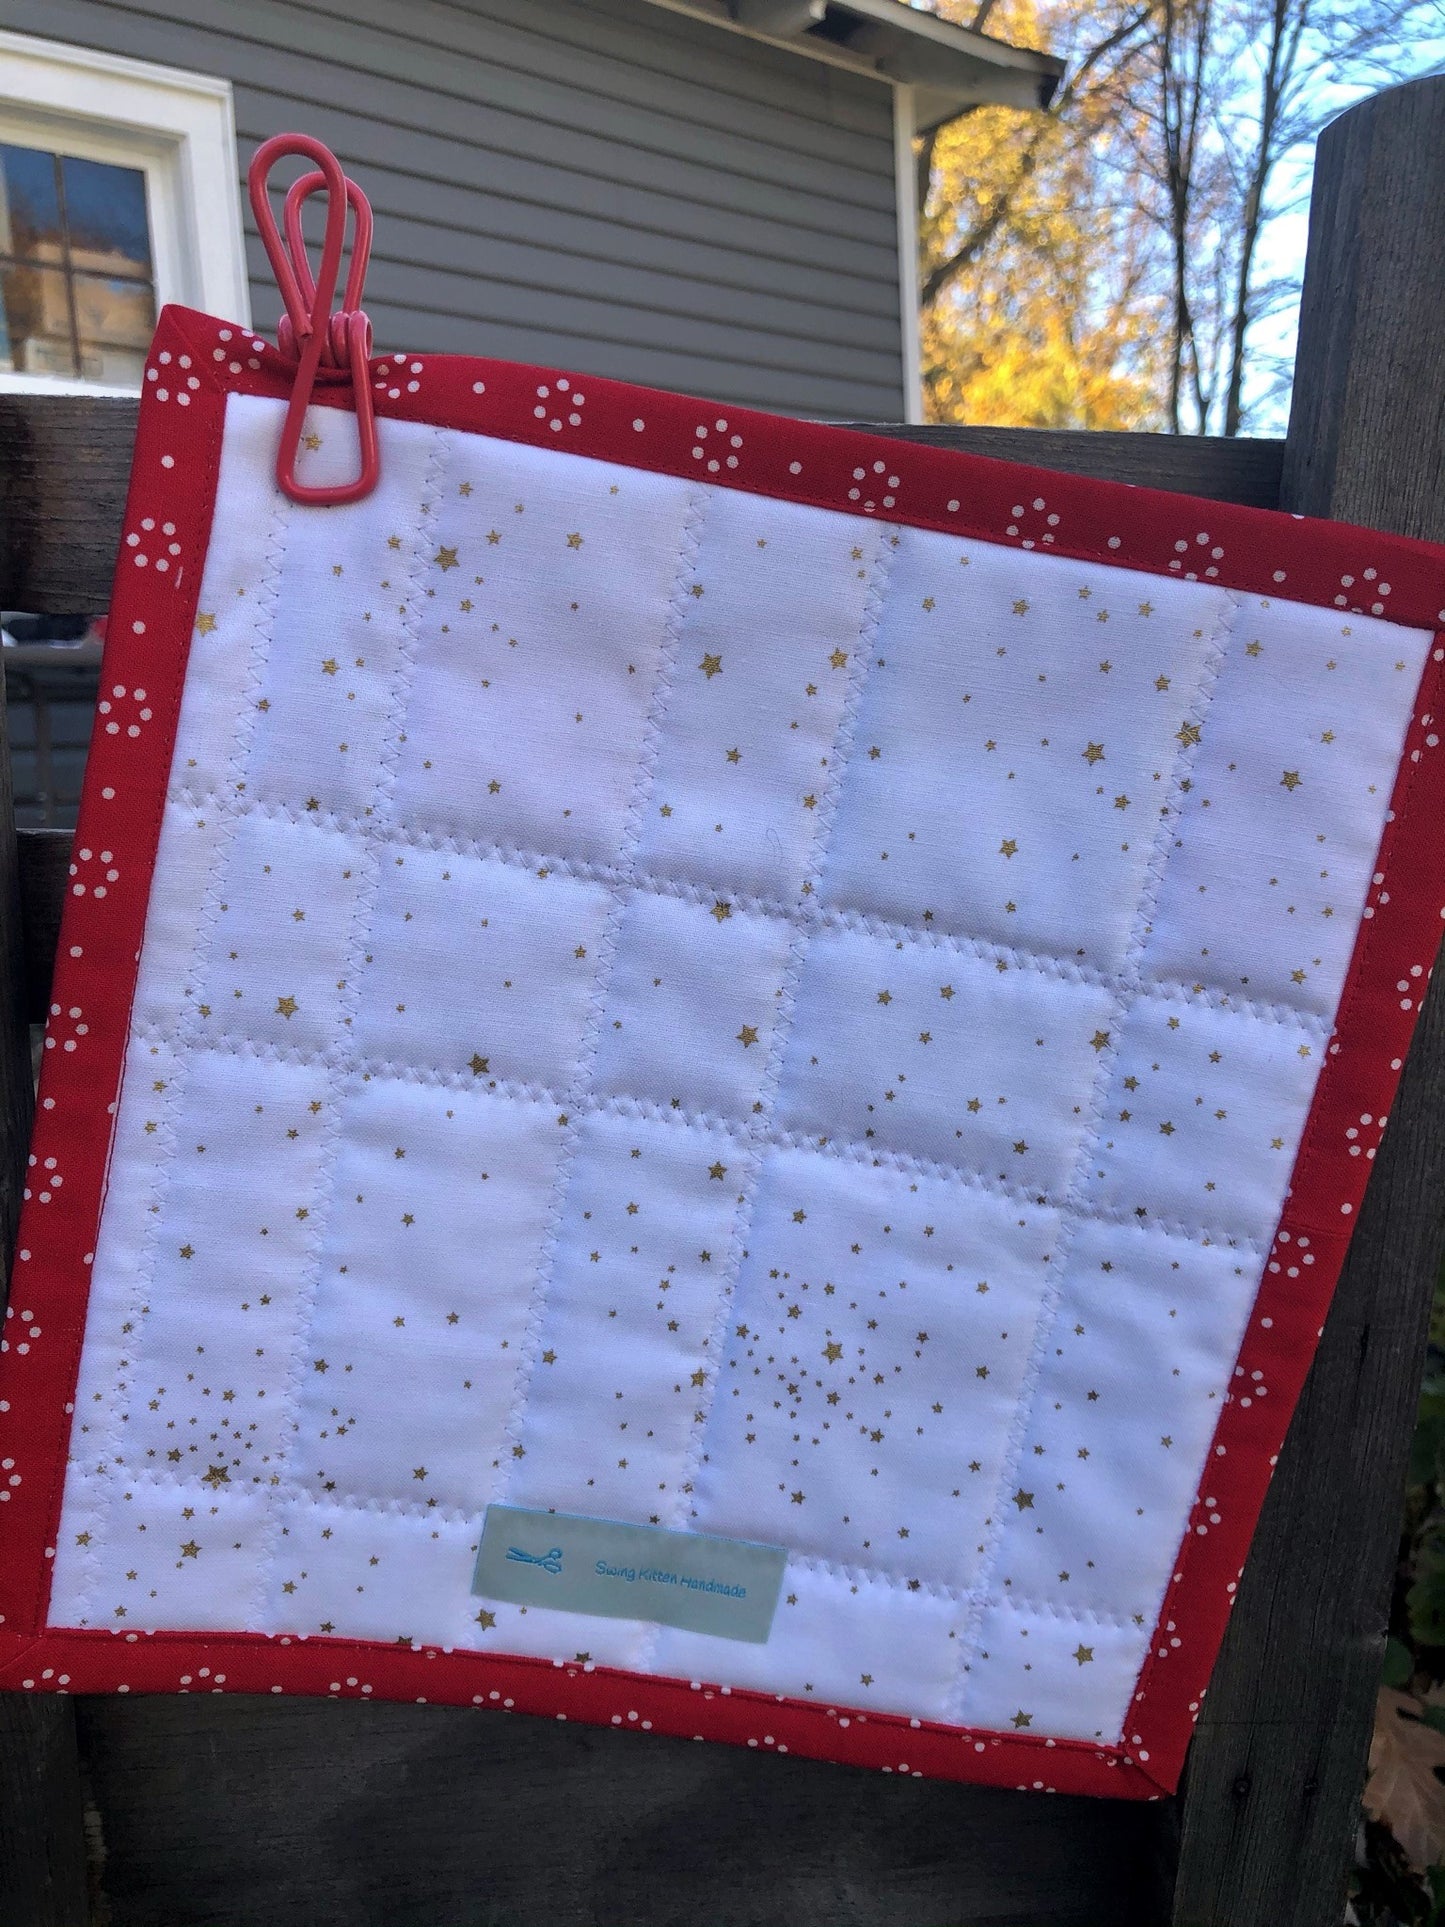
[[1257, 551], [194, 363], [105, 1662], [1384, 989]]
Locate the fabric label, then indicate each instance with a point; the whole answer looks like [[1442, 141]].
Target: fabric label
[[727, 1587]]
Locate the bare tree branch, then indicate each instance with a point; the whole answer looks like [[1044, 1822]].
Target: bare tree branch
[[1075, 86]]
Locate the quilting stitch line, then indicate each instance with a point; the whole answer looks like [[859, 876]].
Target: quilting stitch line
[[262, 635], [854, 1571], [713, 1351], [820, 916], [579, 1090], [408, 632], [742, 1130], [1073, 1211]]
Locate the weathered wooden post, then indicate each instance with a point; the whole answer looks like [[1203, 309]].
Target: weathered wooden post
[[1269, 1810]]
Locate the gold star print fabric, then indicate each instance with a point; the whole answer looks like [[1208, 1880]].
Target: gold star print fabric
[[692, 1009]]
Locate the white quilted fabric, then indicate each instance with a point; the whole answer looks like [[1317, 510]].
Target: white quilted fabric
[[682, 1007]]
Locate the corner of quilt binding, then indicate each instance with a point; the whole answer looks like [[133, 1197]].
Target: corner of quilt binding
[[15, 1649], [200, 346], [1163, 1783]]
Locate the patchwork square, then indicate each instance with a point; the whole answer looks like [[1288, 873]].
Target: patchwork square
[[551, 602], [515, 948], [1203, 1111], [435, 1206], [714, 974], [1298, 752], [979, 739], [778, 620], [880, 1332], [625, 1343], [693, 1004], [280, 947], [947, 1054], [1109, 1447]]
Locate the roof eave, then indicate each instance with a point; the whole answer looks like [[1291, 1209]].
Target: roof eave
[[950, 68], [953, 67]]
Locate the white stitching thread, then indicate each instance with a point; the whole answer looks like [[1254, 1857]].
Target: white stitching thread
[[744, 1131], [1074, 1210], [815, 916], [575, 1104], [713, 1350], [408, 630], [266, 604]]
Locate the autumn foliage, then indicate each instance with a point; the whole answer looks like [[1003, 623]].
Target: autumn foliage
[[1036, 308], [1116, 261]]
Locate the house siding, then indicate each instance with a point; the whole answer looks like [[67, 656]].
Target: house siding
[[597, 184]]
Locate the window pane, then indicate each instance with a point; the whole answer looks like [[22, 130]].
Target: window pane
[[115, 320], [37, 319], [105, 212], [29, 204]]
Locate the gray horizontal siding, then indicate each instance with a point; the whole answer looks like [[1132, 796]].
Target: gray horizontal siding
[[598, 183]]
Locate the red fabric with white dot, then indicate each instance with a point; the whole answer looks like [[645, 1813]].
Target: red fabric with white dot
[[970, 924]]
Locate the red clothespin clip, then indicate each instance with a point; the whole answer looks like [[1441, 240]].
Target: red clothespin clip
[[326, 347]]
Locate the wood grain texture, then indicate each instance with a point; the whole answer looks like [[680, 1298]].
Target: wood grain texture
[[1224, 471], [64, 467], [309, 1813], [64, 464], [43, 1874], [42, 1848], [1270, 1808], [43, 866]]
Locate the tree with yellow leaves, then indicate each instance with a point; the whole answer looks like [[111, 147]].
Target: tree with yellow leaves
[[1038, 254]]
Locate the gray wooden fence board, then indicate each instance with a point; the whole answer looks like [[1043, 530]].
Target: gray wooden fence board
[[236, 1811], [64, 469], [64, 464], [42, 1850]]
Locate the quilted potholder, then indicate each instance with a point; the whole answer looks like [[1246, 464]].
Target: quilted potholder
[[673, 968]]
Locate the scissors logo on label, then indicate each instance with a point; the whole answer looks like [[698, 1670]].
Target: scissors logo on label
[[548, 1561]]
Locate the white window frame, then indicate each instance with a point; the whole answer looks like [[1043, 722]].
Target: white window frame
[[178, 128]]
